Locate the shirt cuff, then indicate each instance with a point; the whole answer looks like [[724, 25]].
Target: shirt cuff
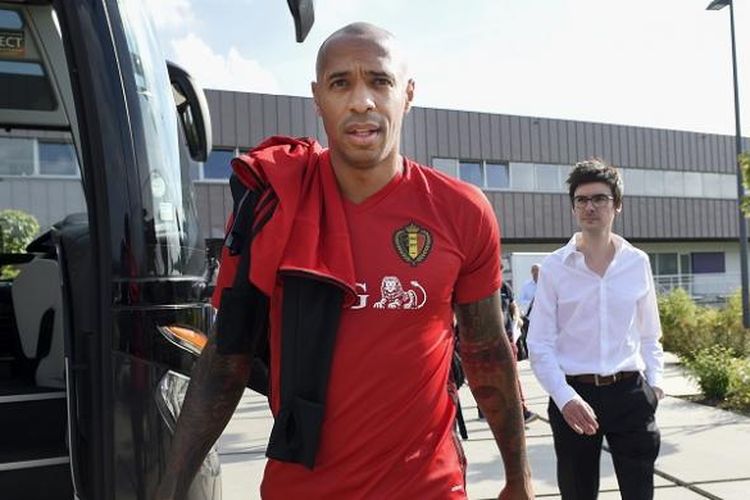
[[563, 395], [655, 379]]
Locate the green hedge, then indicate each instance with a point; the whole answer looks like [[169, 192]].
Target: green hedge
[[712, 343], [712, 369], [688, 328], [17, 229], [738, 396]]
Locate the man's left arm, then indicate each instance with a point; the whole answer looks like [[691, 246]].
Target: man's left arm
[[649, 326], [491, 372]]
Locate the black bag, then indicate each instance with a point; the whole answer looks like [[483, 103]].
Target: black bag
[[457, 370], [523, 350], [459, 378]]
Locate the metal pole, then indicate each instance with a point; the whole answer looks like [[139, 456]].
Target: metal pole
[[740, 187]]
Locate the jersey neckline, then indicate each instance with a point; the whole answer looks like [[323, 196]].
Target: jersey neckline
[[381, 194]]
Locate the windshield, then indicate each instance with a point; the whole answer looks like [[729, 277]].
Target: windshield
[[169, 209]]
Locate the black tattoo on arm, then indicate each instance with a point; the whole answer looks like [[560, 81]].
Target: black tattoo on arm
[[491, 372], [216, 386]]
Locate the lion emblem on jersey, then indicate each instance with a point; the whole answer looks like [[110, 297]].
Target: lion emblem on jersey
[[394, 296]]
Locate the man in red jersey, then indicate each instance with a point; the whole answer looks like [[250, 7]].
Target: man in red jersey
[[418, 247]]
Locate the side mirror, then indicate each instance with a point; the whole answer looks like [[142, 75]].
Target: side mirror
[[192, 110], [303, 12]]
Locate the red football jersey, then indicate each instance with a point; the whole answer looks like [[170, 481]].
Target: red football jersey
[[422, 243]]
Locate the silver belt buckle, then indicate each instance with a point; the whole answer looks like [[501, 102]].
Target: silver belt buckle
[[597, 377]]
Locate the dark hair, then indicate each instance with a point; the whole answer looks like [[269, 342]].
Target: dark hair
[[595, 170]]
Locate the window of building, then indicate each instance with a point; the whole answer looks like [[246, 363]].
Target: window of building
[[498, 175], [448, 166], [471, 172], [654, 182], [693, 184], [685, 265], [674, 183], [670, 263], [667, 263], [32, 156], [633, 180], [712, 185], [16, 156], [218, 165], [708, 262], [522, 176], [57, 158], [728, 186], [548, 178], [484, 175]]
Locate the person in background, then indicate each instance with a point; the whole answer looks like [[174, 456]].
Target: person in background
[[594, 345], [528, 290], [512, 326]]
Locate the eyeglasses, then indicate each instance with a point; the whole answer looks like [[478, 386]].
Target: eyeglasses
[[598, 200]]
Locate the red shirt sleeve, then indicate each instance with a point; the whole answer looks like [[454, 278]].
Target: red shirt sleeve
[[480, 275]]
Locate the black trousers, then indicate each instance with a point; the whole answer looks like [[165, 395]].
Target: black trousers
[[625, 411]]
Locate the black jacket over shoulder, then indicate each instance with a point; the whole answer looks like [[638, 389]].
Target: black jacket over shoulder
[[310, 313]]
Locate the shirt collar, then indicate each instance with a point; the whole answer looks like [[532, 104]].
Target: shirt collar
[[570, 248]]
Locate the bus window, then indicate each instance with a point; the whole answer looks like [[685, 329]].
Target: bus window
[[23, 79]]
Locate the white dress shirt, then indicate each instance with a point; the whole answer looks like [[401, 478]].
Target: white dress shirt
[[583, 323]]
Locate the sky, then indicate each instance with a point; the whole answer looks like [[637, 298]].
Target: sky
[[652, 63]]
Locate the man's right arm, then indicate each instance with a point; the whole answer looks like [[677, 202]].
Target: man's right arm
[[491, 372], [216, 386], [541, 342]]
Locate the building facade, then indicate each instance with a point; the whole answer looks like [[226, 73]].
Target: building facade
[[680, 187]]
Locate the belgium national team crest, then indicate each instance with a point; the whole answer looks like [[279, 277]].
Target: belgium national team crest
[[413, 243]]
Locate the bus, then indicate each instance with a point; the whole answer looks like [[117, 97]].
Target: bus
[[103, 313]]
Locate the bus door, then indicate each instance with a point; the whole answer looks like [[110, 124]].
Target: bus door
[[101, 293], [102, 285]]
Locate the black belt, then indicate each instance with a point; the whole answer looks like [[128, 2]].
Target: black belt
[[597, 380]]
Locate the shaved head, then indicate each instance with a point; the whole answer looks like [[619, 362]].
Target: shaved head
[[361, 32], [362, 92]]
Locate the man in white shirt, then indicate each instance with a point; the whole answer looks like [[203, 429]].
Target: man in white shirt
[[528, 289], [594, 345]]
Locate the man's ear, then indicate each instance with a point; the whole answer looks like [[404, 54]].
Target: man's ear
[[314, 88], [409, 94]]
